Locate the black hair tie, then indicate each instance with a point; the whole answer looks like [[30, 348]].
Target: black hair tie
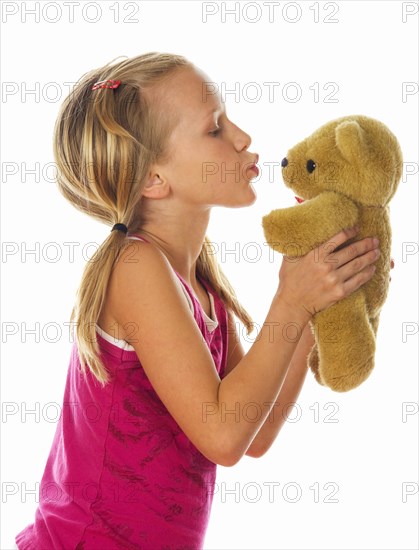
[[121, 227]]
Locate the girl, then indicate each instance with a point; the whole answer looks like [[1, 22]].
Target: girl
[[156, 366]]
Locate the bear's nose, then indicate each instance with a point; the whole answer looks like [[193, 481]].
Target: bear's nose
[[284, 162]]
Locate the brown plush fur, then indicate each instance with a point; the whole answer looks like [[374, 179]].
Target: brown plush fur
[[358, 168]]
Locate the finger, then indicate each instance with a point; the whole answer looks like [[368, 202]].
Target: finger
[[358, 263], [352, 251], [358, 280], [327, 247]]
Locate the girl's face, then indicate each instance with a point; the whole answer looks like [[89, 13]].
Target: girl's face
[[209, 162]]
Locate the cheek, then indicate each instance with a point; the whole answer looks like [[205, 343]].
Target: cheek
[[190, 176], [183, 165], [206, 162]]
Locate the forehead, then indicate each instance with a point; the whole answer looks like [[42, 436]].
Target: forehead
[[192, 92]]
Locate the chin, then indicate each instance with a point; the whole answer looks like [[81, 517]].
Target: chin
[[247, 198], [253, 195], [252, 201], [248, 201]]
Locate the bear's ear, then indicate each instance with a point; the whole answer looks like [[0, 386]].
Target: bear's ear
[[350, 140]]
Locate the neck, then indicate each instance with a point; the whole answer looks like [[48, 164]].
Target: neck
[[180, 239]]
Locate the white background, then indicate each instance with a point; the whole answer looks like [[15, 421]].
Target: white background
[[357, 442]]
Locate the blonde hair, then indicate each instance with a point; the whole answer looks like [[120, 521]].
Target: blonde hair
[[104, 144]]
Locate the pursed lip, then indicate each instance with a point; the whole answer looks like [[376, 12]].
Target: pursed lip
[[253, 165], [254, 168]]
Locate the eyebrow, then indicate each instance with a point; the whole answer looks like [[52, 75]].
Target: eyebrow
[[212, 111]]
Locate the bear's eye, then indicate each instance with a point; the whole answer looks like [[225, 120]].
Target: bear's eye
[[284, 162], [311, 166]]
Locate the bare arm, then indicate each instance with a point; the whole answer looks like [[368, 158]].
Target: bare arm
[[288, 394], [289, 391], [248, 393], [178, 362]]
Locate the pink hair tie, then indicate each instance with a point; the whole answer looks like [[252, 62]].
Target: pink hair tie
[[106, 84]]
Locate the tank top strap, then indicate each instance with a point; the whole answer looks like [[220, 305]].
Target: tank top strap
[[134, 236], [201, 279]]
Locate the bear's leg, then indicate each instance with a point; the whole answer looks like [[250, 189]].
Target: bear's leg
[[313, 356], [374, 323], [346, 343], [313, 363]]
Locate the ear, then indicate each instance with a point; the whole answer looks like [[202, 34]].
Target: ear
[[155, 187], [350, 140]]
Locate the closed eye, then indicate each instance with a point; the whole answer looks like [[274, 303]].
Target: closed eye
[[215, 132]]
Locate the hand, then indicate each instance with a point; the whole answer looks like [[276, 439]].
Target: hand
[[314, 282]]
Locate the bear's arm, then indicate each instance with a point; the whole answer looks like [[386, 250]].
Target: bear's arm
[[296, 230]]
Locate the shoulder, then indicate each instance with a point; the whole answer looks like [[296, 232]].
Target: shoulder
[[143, 284], [142, 258]]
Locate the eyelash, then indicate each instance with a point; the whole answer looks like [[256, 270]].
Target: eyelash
[[215, 132]]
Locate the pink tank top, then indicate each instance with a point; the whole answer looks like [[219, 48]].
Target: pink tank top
[[121, 474]]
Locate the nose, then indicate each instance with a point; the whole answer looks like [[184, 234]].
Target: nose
[[242, 140], [284, 162]]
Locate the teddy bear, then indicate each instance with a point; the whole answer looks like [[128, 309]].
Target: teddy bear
[[343, 174]]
